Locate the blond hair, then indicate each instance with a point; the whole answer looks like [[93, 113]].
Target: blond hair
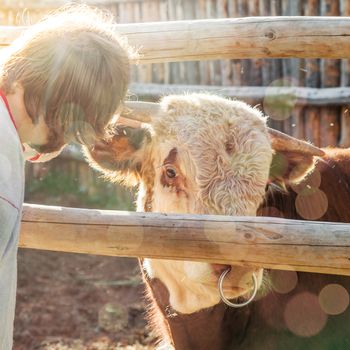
[[74, 69]]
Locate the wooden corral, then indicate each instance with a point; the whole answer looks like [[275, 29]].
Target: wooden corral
[[322, 117], [314, 247], [305, 247]]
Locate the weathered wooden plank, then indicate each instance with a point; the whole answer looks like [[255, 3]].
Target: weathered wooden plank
[[302, 95], [313, 126], [297, 123], [204, 75], [330, 77], [255, 75], [252, 37], [236, 64], [291, 66], [345, 127], [276, 65], [312, 115], [265, 10], [214, 67], [226, 65], [245, 64], [145, 68], [345, 81], [191, 68], [163, 16], [252, 241], [179, 13], [52, 4]]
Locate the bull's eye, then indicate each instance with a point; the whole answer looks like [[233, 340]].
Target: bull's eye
[[170, 172]]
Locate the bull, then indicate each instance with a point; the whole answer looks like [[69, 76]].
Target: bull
[[203, 154]]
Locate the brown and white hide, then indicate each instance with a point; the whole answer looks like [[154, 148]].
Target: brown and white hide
[[203, 154]]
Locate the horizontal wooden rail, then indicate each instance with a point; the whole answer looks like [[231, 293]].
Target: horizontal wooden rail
[[301, 96], [40, 5], [251, 37], [251, 241]]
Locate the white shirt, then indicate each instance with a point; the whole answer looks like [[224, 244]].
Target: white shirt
[[11, 200]]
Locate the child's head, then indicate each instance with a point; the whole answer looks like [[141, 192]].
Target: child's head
[[74, 71]]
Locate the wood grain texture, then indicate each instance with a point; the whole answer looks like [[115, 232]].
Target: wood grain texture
[[345, 127], [251, 37], [250, 241], [301, 95]]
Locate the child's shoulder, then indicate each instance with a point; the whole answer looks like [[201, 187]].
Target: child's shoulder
[[10, 145]]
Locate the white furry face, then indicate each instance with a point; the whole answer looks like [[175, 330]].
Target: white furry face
[[210, 156]]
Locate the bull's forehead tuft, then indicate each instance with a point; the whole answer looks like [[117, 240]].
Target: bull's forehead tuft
[[193, 111]]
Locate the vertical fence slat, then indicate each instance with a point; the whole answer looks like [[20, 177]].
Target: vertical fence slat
[[330, 77], [264, 10], [312, 120], [235, 64], [275, 65], [158, 68], [215, 66], [134, 9], [297, 123], [291, 69], [226, 67], [345, 81], [345, 127], [174, 71], [146, 16], [255, 77], [243, 11], [136, 75], [124, 14], [204, 76], [179, 13], [163, 10], [191, 68]]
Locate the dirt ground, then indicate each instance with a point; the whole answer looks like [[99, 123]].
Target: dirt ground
[[81, 302]]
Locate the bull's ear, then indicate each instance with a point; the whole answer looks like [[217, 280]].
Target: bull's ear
[[290, 167], [293, 159], [120, 155]]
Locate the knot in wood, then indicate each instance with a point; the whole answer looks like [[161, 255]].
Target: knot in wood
[[271, 34], [248, 236]]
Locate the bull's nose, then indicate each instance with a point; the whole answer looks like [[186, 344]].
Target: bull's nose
[[219, 269]]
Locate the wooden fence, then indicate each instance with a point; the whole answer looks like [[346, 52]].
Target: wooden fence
[[273, 243], [322, 125], [311, 81], [238, 72]]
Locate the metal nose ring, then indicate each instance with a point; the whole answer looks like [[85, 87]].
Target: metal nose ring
[[229, 303]]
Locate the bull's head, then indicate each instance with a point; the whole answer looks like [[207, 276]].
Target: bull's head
[[198, 154]]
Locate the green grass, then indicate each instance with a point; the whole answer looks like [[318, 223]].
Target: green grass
[[57, 188]]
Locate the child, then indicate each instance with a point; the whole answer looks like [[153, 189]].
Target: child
[[61, 81]]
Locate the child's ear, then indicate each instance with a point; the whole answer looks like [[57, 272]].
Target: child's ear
[[120, 155], [290, 167]]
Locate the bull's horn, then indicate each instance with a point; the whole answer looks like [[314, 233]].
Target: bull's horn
[[135, 113], [283, 142], [141, 111]]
